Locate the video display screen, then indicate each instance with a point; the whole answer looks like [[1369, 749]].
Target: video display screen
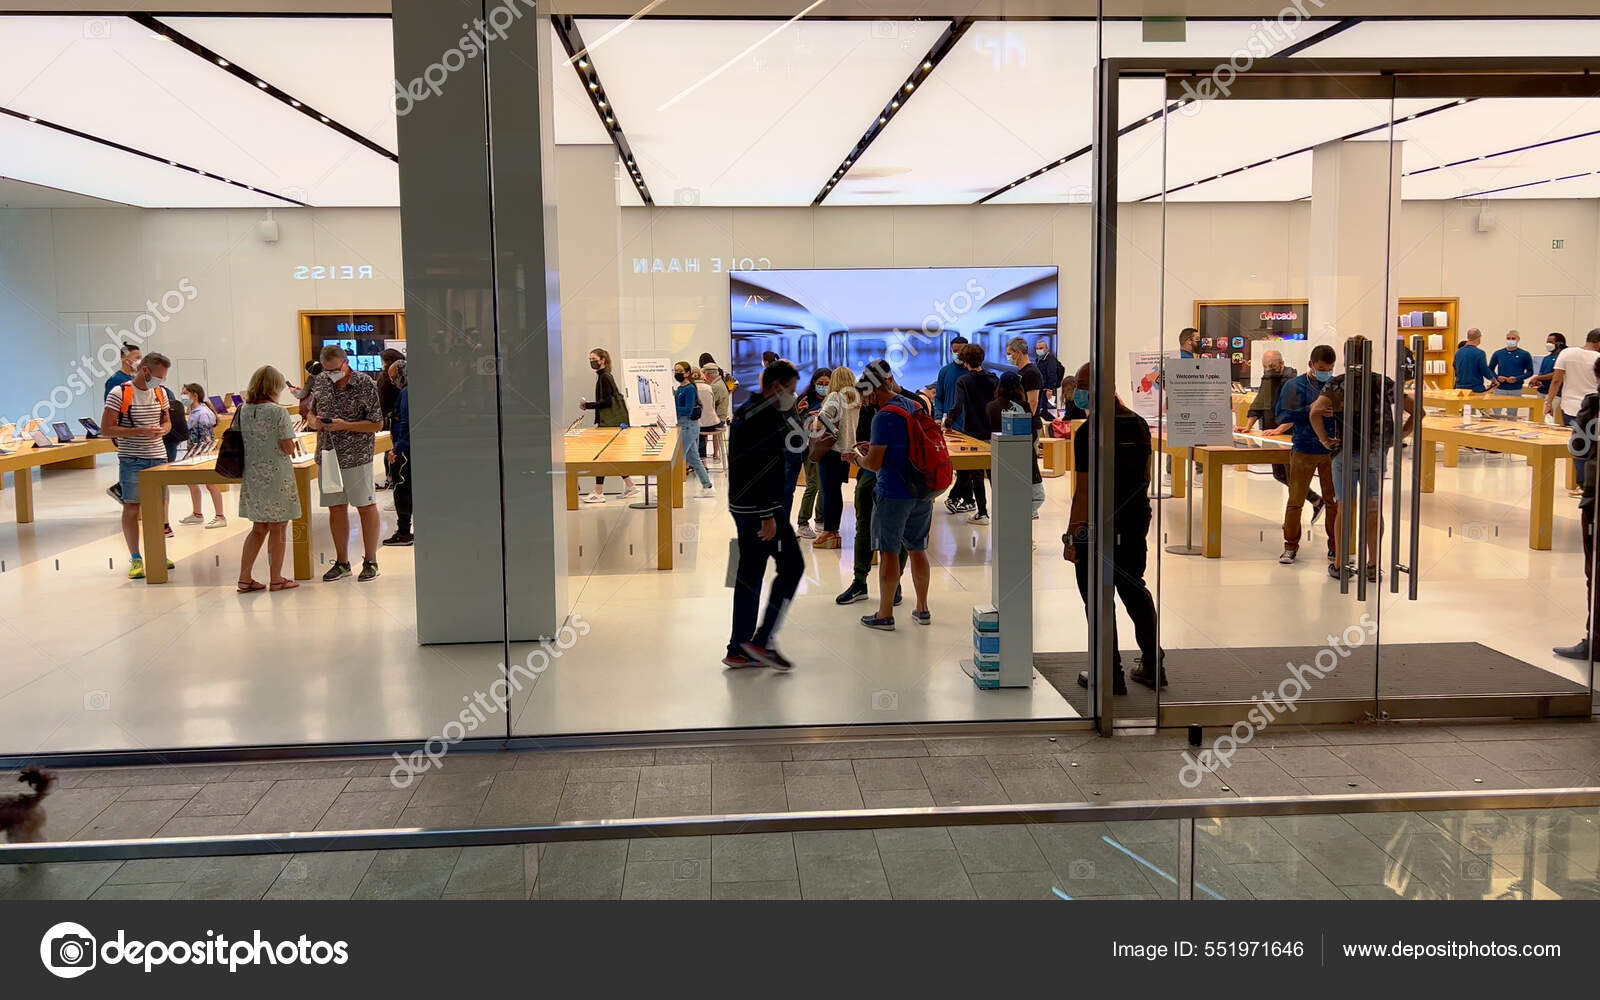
[[907, 316], [1233, 330], [361, 335]]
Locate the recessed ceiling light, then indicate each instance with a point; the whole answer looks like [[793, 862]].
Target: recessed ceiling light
[[32, 119], [261, 84], [583, 64], [294, 103], [910, 86], [894, 104], [160, 38], [927, 65], [611, 121], [593, 85], [882, 120], [324, 119], [601, 102], [222, 62]]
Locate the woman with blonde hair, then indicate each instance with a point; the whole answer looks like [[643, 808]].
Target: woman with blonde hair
[[841, 409], [268, 497]]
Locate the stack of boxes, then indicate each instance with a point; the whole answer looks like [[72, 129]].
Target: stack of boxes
[[984, 667]]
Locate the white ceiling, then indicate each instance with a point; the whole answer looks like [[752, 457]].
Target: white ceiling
[[758, 112]]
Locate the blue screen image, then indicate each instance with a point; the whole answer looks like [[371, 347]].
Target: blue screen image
[[908, 316]]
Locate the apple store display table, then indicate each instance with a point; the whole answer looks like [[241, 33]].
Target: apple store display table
[[1541, 444], [24, 457], [624, 451]]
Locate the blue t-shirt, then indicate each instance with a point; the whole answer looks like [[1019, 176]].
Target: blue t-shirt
[[889, 429], [120, 377], [1472, 368], [944, 396], [1547, 364]]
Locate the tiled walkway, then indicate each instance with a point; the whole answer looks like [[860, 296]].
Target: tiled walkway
[[1413, 855]]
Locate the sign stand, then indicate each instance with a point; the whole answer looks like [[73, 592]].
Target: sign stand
[[1199, 413], [1188, 548], [1002, 631]]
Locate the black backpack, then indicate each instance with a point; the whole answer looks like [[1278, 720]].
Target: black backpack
[[180, 421]]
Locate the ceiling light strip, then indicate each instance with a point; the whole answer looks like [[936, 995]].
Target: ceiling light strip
[[908, 89], [1289, 50], [1526, 184], [583, 64], [1503, 152], [168, 33], [35, 120]]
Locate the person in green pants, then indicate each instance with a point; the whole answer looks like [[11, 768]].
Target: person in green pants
[[865, 481]]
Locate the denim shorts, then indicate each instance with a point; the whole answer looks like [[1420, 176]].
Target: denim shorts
[[901, 524], [1374, 465], [128, 469]]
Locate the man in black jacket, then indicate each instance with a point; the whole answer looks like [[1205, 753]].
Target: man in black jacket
[[1582, 446], [758, 440]]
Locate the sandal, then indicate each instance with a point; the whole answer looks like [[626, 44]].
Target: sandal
[[250, 586], [278, 585]]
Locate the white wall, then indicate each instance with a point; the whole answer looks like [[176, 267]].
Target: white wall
[[66, 275]]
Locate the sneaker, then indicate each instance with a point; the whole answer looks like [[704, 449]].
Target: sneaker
[[950, 505], [767, 656], [1289, 556], [1577, 651], [399, 538], [631, 491], [805, 530], [166, 529], [898, 595], [1119, 684], [1142, 675], [114, 491], [217, 522], [1333, 570], [736, 661], [594, 498], [193, 519], [882, 624], [382, 486], [978, 519], [706, 492], [369, 571], [857, 591], [338, 571], [1317, 507], [136, 568], [922, 617], [965, 506]]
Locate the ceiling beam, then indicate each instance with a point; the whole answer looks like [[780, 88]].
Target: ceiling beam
[[904, 93], [582, 63]]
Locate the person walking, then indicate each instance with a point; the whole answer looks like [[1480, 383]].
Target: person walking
[[137, 417], [202, 423], [345, 412], [1571, 379], [903, 513], [1583, 441], [686, 400], [808, 406], [1128, 544], [268, 496], [1308, 457], [836, 420], [865, 505], [974, 391], [610, 410], [400, 447], [756, 441]]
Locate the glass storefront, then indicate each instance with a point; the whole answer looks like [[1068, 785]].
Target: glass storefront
[[552, 218]]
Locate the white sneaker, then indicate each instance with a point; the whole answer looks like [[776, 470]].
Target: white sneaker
[[978, 519], [194, 519], [805, 530], [706, 493], [632, 491], [595, 498], [217, 522]]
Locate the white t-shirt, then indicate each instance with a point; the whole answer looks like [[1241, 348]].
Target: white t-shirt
[[1579, 380], [708, 405]]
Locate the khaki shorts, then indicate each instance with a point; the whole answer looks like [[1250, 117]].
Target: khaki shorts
[[358, 490]]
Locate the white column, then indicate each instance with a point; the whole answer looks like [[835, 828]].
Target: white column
[[1353, 186]]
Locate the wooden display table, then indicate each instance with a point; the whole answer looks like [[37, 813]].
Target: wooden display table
[[22, 461], [1451, 402], [1541, 444], [1055, 457], [966, 452], [620, 451], [1264, 449], [151, 482]]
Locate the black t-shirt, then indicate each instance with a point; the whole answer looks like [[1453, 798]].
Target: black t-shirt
[[1132, 464], [1032, 381], [995, 407]]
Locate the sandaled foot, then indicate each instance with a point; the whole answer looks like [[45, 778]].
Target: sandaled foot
[[283, 585], [250, 586]]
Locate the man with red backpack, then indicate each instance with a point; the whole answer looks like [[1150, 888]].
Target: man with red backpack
[[908, 454]]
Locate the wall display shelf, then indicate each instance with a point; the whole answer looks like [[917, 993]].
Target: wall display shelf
[[1436, 365]]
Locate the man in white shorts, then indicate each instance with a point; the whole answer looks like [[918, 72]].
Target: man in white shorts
[[345, 412]]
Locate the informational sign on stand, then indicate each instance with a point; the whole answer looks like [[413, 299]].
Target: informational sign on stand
[[1146, 396], [647, 385], [1199, 402]]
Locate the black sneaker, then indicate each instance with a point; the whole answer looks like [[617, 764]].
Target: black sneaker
[[857, 591], [381, 487], [114, 491], [898, 596], [338, 571], [736, 661], [1142, 674], [882, 624], [369, 571], [1577, 651], [399, 538], [1119, 684], [1317, 507], [767, 656]]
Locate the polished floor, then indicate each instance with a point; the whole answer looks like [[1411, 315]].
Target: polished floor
[[1542, 853], [91, 661]]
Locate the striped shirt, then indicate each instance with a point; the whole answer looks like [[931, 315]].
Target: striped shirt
[[146, 410]]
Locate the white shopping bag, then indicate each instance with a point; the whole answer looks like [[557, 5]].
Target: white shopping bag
[[329, 479]]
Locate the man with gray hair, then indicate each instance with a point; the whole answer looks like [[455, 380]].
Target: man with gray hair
[[1263, 412], [345, 412]]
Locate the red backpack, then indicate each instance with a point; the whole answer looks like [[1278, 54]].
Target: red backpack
[[928, 453]]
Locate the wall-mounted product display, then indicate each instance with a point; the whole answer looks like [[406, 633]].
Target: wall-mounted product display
[[363, 335], [1434, 319], [826, 318], [1230, 328]]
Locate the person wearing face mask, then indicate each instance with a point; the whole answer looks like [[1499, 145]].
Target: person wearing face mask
[[1554, 344], [202, 420], [970, 415], [1471, 364], [1263, 412], [610, 410], [686, 400], [137, 416], [347, 416], [1126, 540], [1051, 372], [1032, 382], [757, 441], [1307, 457], [1188, 342], [1509, 367], [809, 404]]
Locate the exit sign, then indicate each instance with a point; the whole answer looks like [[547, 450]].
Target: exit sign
[[1558, 244]]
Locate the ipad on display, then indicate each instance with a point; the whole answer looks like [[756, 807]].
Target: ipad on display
[[218, 405], [63, 432], [41, 440], [90, 426]]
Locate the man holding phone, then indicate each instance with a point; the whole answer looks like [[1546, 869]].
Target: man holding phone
[[344, 412], [137, 417]]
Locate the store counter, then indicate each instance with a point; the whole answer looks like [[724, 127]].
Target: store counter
[[620, 451], [25, 457], [1451, 401], [1541, 444]]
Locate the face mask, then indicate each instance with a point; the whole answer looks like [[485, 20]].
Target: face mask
[[784, 399], [680, 376], [155, 383], [1039, 352], [334, 373], [1322, 376], [1512, 345], [594, 365], [1549, 348], [822, 390], [1080, 398]]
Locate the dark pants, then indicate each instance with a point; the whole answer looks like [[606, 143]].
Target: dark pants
[[1586, 519], [783, 549], [400, 477], [1130, 552], [970, 483], [831, 468], [792, 461], [865, 483], [1578, 463]]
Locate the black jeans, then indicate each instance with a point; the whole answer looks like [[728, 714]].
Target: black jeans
[[401, 480], [833, 471], [1130, 552], [784, 549], [1586, 520], [970, 483]]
